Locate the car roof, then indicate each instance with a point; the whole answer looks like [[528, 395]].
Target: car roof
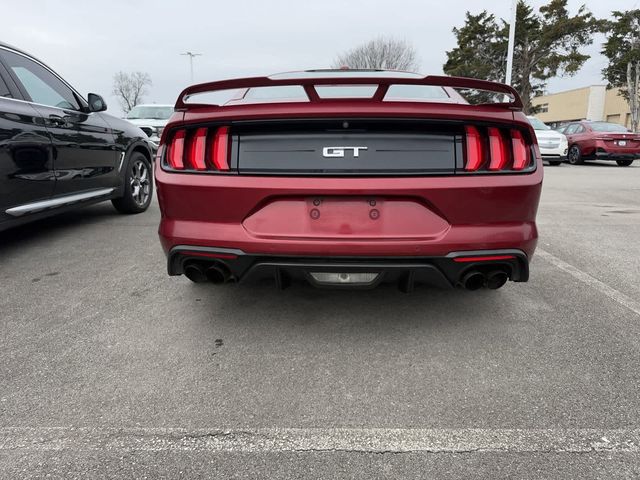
[[22, 52], [37, 60]]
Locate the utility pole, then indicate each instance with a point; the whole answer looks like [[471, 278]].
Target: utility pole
[[512, 37], [191, 55]]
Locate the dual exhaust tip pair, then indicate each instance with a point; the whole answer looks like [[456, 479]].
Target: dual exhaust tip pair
[[475, 280], [214, 273]]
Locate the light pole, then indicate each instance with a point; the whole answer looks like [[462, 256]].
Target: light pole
[[512, 37], [191, 55]]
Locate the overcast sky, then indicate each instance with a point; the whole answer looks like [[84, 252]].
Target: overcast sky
[[87, 42]]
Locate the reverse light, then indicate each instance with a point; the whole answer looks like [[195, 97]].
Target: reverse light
[[331, 278]]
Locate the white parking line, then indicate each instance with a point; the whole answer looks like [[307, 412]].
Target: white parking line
[[364, 440], [593, 282]]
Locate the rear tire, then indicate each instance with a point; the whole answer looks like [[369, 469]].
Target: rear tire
[[138, 185], [624, 163], [575, 155]]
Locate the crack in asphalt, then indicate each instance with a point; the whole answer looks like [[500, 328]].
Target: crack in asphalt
[[323, 440]]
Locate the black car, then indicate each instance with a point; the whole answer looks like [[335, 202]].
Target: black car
[[58, 151]]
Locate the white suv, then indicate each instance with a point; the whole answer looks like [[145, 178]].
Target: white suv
[[151, 119], [553, 145]]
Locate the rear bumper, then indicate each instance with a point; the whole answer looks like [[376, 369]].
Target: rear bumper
[[554, 157], [441, 272], [484, 212], [600, 155], [522, 236], [560, 151]]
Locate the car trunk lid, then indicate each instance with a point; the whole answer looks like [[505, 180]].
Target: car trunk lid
[[620, 139], [346, 148]]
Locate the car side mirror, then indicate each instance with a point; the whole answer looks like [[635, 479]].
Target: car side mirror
[[96, 103]]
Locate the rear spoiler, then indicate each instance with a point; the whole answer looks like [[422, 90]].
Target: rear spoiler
[[383, 85]]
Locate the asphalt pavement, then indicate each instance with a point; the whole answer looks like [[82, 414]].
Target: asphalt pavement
[[109, 368]]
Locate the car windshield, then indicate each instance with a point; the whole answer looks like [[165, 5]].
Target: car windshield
[[537, 124], [607, 127], [151, 112]]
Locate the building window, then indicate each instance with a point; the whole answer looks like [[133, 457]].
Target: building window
[[543, 108]]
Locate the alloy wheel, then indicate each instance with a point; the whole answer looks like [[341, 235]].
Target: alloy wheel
[[140, 181], [574, 155]]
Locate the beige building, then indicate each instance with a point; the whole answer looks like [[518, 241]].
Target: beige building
[[588, 103]]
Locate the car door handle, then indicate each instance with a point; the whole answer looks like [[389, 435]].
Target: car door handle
[[57, 120]]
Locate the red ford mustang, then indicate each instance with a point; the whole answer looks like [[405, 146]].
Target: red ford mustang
[[349, 178]]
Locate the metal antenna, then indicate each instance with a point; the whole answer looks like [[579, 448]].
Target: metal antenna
[[191, 55]]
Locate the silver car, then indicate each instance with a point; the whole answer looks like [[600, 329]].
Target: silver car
[[152, 119]]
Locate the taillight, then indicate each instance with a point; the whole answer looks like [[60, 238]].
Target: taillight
[[498, 149], [474, 149], [175, 154], [494, 149], [220, 149], [199, 149], [521, 154]]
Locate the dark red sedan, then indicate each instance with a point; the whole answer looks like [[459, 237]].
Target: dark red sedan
[[601, 141], [349, 179]]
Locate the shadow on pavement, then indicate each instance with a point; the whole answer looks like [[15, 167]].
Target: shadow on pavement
[[56, 224], [591, 163], [261, 305]]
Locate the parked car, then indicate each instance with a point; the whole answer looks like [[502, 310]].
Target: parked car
[[601, 141], [553, 145], [59, 151], [349, 179], [151, 119]]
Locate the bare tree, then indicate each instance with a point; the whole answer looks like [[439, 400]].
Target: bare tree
[[380, 53], [130, 88]]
